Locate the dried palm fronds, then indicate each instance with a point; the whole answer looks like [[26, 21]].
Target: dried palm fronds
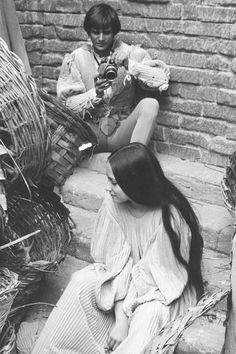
[[228, 184], [7, 339], [166, 341], [68, 133], [42, 252], [229, 199], [23, 125], [3, 218], [8, 288]]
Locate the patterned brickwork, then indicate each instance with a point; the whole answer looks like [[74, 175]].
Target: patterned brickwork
[[196, 38]]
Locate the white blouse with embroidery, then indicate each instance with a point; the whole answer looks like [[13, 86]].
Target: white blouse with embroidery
[[137, 259]]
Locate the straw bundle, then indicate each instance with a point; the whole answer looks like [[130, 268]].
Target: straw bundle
[[23, 125], [68, 133], [42, 252], [166, 341], [8, 288], [7, 339]]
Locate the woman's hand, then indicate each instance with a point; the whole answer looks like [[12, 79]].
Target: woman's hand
[[118, 333], [101, 85]]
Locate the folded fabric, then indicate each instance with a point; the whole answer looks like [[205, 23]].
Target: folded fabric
[[151, 74]]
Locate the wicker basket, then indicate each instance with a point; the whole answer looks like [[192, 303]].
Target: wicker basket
[[8, 289], [68, 133], [23, 125], [7, 339], [228, 184], [228, 197], [42, 252]]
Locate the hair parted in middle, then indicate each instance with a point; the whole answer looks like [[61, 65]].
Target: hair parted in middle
[[102, 16]]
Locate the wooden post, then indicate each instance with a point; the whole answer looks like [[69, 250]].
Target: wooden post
[[11, 33]]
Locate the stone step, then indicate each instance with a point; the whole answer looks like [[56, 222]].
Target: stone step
[[85, 189], [196, 180], [203, 336]]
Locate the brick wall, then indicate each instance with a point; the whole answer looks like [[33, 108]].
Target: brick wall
[[196, 38]]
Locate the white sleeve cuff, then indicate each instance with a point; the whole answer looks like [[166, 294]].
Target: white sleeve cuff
[[131, 68]]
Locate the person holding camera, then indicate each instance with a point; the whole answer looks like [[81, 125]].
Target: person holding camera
[[99, 80], [147, 249]]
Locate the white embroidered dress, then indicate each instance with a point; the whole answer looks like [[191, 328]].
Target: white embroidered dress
[[134, 263]]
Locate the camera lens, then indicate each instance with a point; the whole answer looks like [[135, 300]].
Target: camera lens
[[111, 73]]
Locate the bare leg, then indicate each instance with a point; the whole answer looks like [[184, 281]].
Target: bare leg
[[144, 127], [138, 126]]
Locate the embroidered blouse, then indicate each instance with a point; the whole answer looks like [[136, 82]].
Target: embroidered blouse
[[136, 259]]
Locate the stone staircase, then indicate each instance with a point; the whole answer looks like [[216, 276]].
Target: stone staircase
[[83, 193]]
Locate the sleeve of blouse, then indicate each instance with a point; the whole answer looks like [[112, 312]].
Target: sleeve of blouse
[[110, 248], [166, 272], [150, 73], [70, 82]]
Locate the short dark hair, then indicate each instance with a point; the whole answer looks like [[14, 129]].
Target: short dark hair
[[102, 15]]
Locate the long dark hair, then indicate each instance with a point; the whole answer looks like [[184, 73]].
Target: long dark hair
[[139, 174], [102, 15]]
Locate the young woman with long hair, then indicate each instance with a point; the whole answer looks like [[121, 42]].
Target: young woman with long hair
[[147, 250]]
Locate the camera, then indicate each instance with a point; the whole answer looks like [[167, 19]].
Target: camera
[[107, 69]]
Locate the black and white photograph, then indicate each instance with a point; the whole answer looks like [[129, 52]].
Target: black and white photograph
[[117, 177]]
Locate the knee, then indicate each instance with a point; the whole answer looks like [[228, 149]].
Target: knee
[[85, 275], [150, 107]]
